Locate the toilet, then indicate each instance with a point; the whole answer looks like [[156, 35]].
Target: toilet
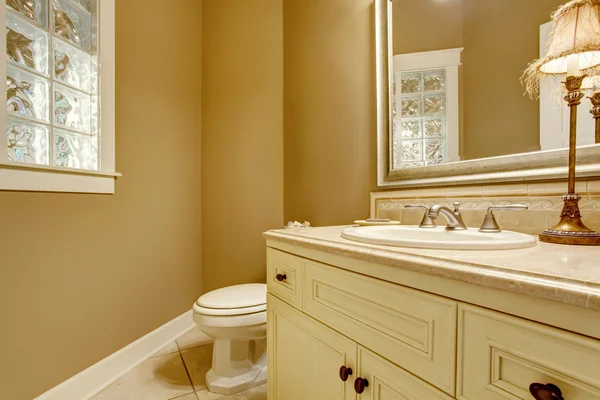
[[236, 318]]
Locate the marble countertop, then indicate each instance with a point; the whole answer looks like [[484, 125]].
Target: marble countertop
[[565, 274]]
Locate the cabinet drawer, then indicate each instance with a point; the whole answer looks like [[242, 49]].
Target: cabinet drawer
[[499, 356], [415, 330], [289, 269], [390, 382]]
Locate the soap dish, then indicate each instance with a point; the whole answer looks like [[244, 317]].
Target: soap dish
[[368, 222]]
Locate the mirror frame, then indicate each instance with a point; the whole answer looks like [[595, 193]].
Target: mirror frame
[[536, 166]]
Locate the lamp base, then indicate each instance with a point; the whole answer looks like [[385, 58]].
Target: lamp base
[[570, 229]]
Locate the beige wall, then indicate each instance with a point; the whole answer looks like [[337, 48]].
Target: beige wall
[[427, 25], [242, 139], [500, 38], [329, 110], [85, 275]]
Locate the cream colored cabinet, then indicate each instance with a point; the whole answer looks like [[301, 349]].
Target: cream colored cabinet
[[413, 329], [386, 381], [305, 357], [406, 344], [500, 356], [284, 276]]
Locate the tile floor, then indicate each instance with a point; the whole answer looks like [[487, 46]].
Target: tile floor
[[175, 372]]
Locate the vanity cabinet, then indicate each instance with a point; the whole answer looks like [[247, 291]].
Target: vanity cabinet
[[312, 361], [338, 334], [413, 329]]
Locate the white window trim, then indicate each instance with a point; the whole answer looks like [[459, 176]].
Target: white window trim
[[16, 176], [439, 59]]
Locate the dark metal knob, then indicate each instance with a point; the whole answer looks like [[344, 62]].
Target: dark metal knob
[[360, 384], [545, 392], [281, 277], [345, 373]]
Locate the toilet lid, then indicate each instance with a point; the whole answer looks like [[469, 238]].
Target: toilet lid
[[235, 297]]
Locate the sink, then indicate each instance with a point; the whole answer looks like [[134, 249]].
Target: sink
[[438, 238]]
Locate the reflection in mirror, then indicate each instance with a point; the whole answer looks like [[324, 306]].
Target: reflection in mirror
[[456, 82]]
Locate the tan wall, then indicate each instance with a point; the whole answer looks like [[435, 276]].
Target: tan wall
[[242, 140], [427, 25], [85, 275], [500, 38], [329, 110]]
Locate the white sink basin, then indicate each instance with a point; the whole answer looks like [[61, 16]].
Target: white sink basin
[[438, 238]]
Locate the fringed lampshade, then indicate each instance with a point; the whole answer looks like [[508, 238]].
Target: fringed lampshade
[[574, 45]]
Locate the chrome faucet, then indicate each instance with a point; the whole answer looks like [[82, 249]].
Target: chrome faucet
[[453, 217]]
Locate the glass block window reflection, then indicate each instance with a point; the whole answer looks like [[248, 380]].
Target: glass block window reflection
[[52, 83], [420, 115]]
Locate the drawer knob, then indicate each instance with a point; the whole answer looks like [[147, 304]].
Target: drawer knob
[[545, 392], [281, 277], [345, 373], [360, 384]]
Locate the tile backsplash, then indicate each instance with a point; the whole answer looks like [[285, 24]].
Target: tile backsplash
[[544, 201]]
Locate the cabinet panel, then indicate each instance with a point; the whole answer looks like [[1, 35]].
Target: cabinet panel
[[390, 382], [284, 276], [415, 330], [305, 357], [499, 356]]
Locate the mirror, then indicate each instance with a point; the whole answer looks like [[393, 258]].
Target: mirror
[[456, 105]]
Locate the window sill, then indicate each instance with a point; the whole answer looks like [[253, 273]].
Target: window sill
[[21, 177]]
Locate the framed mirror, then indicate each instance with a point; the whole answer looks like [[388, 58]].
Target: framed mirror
[[452, 108]]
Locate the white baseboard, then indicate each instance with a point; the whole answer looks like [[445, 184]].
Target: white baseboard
[[92, 380]]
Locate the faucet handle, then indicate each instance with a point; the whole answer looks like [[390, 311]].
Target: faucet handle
[[426, 222], [457, 205], [489, 223]]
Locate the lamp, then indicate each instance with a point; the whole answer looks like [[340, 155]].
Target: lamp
[[592, 83], [574, 50]]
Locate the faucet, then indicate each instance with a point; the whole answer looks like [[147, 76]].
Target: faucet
[[489, 223], [454, 218], [426, 222]]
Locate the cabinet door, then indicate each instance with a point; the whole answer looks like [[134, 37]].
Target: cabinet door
[[305, 357], [387, 381], [412, 329]]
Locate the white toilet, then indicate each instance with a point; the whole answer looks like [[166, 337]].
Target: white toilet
[[236, 317]]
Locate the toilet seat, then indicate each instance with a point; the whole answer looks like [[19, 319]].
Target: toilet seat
[[233, 307], [238, 296], [229, 311], [233, 301]]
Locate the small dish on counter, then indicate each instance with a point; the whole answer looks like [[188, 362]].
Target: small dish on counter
[[376, 222]]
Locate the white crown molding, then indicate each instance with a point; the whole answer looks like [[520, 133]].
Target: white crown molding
[[94, 379], [428, 60]]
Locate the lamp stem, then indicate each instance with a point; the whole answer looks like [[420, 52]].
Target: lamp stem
[[573, 98], [595, 111], [573, 144]]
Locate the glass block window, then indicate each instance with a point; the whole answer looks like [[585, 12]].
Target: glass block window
[[52, 83], [419, 118]]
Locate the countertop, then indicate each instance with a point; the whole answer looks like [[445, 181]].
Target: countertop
[[565, 274]]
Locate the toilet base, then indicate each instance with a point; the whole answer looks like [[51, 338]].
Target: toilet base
[[227, 386], [237, 365]]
